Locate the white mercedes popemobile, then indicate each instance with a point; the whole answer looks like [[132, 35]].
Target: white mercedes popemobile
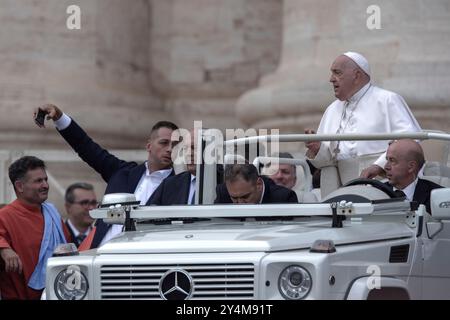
[[359, 242]]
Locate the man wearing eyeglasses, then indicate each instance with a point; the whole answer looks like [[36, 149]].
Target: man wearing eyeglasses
[[80, 198]]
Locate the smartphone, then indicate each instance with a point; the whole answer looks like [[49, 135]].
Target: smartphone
[[40, 118]]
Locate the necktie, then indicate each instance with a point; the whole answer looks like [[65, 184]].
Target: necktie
[[193, 194], [400, 194], [79, 239], [193, 198]]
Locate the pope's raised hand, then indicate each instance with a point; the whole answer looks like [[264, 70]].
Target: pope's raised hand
[[312, 146]]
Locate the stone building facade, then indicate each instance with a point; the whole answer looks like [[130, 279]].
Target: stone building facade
[[234, 63]]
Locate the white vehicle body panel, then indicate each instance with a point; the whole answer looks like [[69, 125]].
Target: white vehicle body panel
[[249, 237], [385, 249]]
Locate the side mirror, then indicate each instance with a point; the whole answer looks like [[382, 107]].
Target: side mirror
[[440, 203]]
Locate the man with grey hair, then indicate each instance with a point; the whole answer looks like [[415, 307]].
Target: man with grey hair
[[361, 107], [79, 199], [286, 175]]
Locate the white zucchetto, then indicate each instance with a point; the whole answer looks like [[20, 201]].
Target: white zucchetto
[[359, 60]]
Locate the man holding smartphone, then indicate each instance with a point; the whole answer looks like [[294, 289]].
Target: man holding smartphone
[[121, 176]]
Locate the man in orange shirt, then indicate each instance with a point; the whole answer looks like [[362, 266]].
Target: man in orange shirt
[[30, 229]]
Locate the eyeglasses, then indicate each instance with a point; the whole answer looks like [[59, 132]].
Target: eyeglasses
[[86, 203]]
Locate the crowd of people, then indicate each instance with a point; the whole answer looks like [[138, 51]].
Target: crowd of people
[[31, 227]]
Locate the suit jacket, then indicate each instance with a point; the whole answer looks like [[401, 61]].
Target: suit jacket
[[74, 239], [422, 192], [72, 234], [172, 191], [273, 193], [121, 176]]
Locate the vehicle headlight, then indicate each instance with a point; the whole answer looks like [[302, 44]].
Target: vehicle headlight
[[294, 283], [71, 284]]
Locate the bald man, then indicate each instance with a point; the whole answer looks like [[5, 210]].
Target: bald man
[[180, 189], [405, 158], [363, 108]]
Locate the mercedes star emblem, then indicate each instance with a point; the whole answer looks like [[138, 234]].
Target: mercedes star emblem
[[176, 284]]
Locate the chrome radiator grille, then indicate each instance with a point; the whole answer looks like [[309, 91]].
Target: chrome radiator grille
[[210, 281]]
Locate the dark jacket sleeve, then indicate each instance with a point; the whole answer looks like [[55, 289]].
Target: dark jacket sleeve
[[292, 197], [277, 194], [90, 152], [424, 191], [222, 195], [156, 197], [218, 195]]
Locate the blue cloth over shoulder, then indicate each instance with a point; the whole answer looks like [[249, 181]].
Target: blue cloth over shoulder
[[53, 236]]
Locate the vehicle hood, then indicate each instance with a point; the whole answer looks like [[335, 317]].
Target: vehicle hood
[[249, 236]]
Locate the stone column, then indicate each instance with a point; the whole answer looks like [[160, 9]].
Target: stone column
[[100, 74], [205, 54], [408, 55]]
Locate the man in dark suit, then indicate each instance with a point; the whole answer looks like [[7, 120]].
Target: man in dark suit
[[79, 199], [244, 185], [175, 190], [120, 176], [180, 189], [405, 158]]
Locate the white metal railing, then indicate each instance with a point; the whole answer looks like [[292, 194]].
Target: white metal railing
[[339, 137], [251, 210], [208, 191], [67, 156]]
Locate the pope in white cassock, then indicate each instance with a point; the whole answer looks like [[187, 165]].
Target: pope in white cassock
[[363, 108]]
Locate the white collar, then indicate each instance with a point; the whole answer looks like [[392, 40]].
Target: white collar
[[263, 190], [75, 230], [409, 190], [164, 173], [358, 95]]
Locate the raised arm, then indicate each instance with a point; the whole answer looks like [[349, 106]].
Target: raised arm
[[89, 151]]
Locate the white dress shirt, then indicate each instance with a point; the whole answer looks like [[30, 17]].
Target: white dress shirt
[[63, 122], [409, 190], [149, 183], [191, 197], [262, 193], [75, 231]]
